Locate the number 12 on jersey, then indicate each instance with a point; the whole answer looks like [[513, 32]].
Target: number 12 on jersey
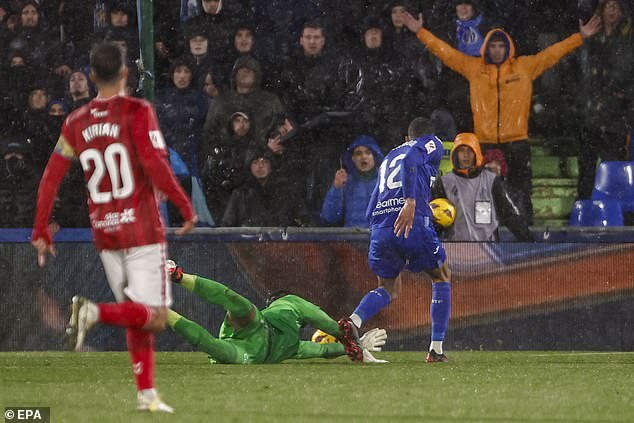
[[395, 171]]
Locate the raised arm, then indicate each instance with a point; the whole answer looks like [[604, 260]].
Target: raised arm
[[550, 56], [451, 57]]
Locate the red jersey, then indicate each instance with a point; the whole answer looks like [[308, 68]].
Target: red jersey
[[122, 151]]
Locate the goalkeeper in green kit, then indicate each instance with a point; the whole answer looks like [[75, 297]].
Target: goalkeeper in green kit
[[270, 335]]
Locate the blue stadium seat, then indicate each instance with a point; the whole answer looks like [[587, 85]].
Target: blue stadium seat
[[615, 181], [596, 213]]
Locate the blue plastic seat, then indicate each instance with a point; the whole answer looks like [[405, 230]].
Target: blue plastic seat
[[596, 213], [615, 181]]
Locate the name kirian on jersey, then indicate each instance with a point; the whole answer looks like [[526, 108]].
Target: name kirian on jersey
[[100, 130]]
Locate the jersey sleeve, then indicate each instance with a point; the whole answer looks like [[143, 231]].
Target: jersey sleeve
[[56, 168], [152, 152], [432, 149]]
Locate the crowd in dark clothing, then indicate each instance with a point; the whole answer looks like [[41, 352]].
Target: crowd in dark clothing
[[290, 84]]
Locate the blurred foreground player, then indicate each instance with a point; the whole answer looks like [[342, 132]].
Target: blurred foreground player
[[121, 149], [403, 234], [270, 335]]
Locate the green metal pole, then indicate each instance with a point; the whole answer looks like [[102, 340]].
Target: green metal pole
[[145, 63]]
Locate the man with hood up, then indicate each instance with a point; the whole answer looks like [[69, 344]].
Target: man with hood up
[[246, 95], [265, 199], [501, 87], [347, 200], [18, 181], [480, 198]]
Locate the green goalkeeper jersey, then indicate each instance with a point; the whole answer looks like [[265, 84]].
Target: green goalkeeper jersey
[[273, 336]]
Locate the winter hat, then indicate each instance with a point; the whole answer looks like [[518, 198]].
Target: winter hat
[[13, 53], [236, 114], [121, 6], [54, 102], [244, 26], [30, 3], [474, 3], [195, 31], [15, 142], [371, 22], [258, 153]]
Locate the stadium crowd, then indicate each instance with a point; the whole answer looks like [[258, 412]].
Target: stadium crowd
[[278, 113]]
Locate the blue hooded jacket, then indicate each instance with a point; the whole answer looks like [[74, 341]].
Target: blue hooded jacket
[[348, 204]]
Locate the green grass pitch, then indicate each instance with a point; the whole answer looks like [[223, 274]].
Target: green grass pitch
[[473, 387]]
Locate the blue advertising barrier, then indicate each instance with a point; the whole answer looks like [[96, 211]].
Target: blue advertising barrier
[[505, 296]]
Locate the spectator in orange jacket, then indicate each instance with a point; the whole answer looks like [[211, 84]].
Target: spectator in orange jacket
[[501, 87]]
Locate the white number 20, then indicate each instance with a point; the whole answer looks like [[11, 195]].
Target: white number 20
[[119, 171], [395, 167]]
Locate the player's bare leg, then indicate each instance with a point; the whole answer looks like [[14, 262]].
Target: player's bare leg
[[440, 309]]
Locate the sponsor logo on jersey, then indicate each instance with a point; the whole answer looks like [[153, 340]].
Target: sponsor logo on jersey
[[393, 205], [98, 113], [390, 203], [113, 220], [100, 130]]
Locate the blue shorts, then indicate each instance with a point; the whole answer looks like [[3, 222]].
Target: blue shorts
[[389, 255]]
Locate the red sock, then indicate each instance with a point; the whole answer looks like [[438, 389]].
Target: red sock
[[126, 314], [141, 348]]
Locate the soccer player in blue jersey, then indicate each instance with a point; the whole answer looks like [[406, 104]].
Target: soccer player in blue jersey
[[403, 234]]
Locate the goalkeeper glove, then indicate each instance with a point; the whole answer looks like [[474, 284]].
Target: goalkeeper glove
[[369, 358], [373, 339]]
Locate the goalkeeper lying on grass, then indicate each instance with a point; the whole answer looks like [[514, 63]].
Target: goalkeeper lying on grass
[[271, 335]]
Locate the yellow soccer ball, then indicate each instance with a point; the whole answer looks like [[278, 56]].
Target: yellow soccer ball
[[322, 337], [443, 211]]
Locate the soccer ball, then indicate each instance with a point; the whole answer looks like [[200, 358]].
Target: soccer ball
[[322, 337], [443, 211]]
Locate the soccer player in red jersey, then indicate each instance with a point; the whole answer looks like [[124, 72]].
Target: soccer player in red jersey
[[121, 149]]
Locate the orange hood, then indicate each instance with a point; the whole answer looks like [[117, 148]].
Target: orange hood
[[471, 141], [510, 52]]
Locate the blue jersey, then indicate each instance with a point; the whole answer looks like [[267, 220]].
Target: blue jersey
[[408, 171]]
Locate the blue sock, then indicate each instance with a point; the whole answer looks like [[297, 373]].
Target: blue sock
[[439, 309], [372, 303]]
